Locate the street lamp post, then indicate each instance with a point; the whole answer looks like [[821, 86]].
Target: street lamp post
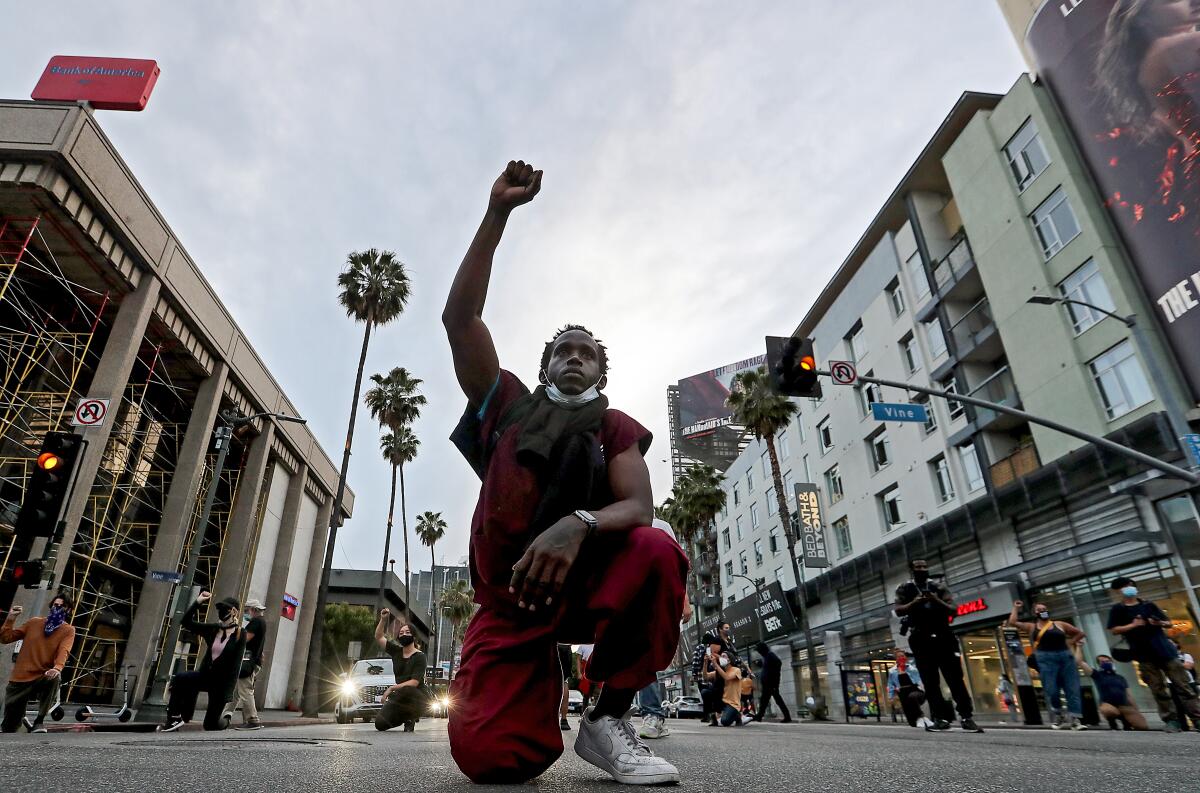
[[164, 663], [757, 583]]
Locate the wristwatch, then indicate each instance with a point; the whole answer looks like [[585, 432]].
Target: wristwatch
[[589, 520]]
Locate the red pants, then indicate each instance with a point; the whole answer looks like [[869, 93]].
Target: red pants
[[625, 595]]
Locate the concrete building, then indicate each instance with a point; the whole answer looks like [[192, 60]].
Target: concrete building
[[996, 209], [438, 579], [361, 588], [99, 298]]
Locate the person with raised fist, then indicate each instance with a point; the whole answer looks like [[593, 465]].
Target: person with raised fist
[[46, 644], [217, 674]]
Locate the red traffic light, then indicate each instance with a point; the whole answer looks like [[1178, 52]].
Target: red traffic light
[[48, 461], [27, 573]]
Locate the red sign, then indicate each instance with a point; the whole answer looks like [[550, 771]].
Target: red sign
[[290, 602], [105, 83], [971, 607]]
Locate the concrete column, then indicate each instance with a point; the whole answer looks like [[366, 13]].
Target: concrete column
[[312, 580], [178, 513], [279, 575], [243, 521], [836, 699]]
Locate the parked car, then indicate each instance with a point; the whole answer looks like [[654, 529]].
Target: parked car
[[574, 701], [685, 708], [361, 694]]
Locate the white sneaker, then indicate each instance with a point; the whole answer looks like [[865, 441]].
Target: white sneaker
[[924, 722], [653, 727], [612, 745]]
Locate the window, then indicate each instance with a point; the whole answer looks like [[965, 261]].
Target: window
[[841, 535], [880, 450], [1055, 223], [729, 572], [758, 553], [896, 299], [731, 600], [868, 393], [738, 525], [1122, 384], [744, 563], [930, 413], [856, 343], [833, 485], [787, 482], [773, 541], [935, 337], [916, 273], [941, 478], [970, 464], [772, 502], [1026, 155], [725, 539], [781, 446], [749, 480], [910, 353], [800, 427], [753, 517], [889, 503], [779, 574], [825, 434], [737, 497], [955, 407], [765, 460], [1087, 285]]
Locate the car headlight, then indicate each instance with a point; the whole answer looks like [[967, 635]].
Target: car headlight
[[348, 688]]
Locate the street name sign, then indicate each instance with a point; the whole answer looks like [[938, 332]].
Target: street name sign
[[1191, 442], [166, 576], [899, 411]]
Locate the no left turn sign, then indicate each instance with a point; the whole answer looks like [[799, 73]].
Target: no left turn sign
[[843, 372], [90, 412]]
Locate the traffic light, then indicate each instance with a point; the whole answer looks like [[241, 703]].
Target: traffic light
[[792, 366], [27, 574], [47, 485]]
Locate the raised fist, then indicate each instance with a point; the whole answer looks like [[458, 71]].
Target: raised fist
[[384, 613], [1018, 604], [203, 597], [517, 185], [15, 611]]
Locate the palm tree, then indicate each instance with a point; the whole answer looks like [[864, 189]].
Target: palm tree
[[458, 600], [374, 289], [398, 448], [395, 402], [698, 499], [430, 529], [764, 412]]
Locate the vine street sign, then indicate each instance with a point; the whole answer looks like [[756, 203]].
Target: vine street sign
[[899, 411]]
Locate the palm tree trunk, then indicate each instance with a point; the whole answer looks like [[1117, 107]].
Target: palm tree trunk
[[387, 547], [785, 516], [312, 672], [434, 639], [453, 647], [404, 524]]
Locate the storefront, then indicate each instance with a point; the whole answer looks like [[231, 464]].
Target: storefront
[[977, 626]]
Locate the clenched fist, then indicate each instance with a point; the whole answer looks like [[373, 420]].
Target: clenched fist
[[517, 185]]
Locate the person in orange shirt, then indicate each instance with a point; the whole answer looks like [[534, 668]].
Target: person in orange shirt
[[46, 644]]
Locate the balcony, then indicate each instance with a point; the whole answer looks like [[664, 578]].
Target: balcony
[[975, 336], [1024, 460], [1001, 389], [955, 276]]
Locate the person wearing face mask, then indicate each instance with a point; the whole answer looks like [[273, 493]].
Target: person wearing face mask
[[408, 699], [925, 608], [726, 673], [256, 635], [1140, 623], [1054, 643], [45, 646], [904, 686], [217, 674], [1116, 703], [562, 549]]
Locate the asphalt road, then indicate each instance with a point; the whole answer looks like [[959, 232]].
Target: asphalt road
[[760, 757]]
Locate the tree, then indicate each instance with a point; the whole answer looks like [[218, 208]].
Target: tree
[[374, 289], [344, 624], [430, 529], [458, 600], [698, 498], [398, 448], [763, 413], [395, 402]]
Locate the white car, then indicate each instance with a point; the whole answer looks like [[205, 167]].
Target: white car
[[361, 690], [574, 701], [685, 708]]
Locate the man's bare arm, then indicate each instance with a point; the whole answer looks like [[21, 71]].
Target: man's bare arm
[[475, 361]]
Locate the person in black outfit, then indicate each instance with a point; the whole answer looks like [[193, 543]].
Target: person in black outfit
[[219, 666], [926, 607], [772, 667], [407, 700], [256, 634]]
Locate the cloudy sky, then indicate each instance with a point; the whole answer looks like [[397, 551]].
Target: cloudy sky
[[707, 167]]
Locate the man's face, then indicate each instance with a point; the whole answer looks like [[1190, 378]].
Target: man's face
[[920, 569], [574, 363], [58, 602]]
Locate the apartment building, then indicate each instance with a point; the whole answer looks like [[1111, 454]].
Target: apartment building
[[997, 209]]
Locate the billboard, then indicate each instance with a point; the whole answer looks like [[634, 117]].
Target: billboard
[[812, 527], [105, 83], [702, 408], [743, 617], [1126, 74]]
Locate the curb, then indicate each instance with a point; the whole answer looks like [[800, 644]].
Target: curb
[[194, 726]]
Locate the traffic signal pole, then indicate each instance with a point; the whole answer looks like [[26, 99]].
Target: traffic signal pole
[[1133, 454]]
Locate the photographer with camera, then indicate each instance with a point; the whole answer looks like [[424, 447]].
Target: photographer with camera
[[925, 608]]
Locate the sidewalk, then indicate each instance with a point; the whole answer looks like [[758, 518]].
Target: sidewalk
[[269, 718]]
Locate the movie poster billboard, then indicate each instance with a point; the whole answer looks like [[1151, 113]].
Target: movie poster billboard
[[702, 407], [1126, 74]]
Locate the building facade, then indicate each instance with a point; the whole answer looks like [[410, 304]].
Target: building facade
[[427, 587], [99, 299], [997, 209]]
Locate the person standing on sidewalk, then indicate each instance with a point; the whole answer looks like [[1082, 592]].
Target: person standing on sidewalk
[[772, 668], [1140, 623], [1054, 643], [217, 674], [925, 608], [1116, 703], [256, 635], [46, 644]]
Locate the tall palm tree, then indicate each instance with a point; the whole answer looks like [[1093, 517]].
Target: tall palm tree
[[373, 289], [764, 412], [458, 600], [430, 529], [699, 498], [395, 402]]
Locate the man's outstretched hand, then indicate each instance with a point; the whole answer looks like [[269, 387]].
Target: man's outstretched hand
[[540, 574], [517, 185]]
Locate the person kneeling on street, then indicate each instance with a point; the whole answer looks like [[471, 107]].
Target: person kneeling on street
[[722, 668], [904, 688], [1116, 703], [217, 674], [407, 700]]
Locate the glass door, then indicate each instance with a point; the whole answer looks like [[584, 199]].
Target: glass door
[[984, 663]]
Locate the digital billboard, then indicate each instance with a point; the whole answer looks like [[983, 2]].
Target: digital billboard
[[1126, 74], [702, 407]]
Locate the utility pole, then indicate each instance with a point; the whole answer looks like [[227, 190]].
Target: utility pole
[[757, 583]]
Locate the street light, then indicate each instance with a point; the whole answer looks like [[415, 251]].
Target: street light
[[757, 583], [222, 436]]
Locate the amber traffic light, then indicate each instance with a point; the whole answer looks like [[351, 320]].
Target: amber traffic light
[[792, 366], [47, 485], [48, 461]]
